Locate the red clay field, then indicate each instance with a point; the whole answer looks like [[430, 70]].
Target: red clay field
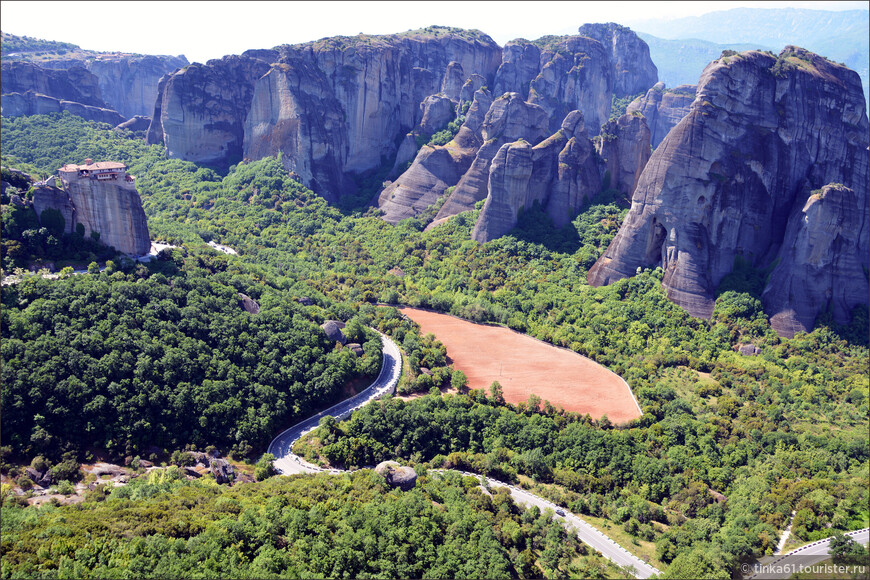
[[524, 365]]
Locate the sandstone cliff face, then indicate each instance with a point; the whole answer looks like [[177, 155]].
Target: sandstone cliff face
[[200, 110], [508, 119], [50, 197], [628, 55], [129, 84], [75, 84], [663, 108], [558, 173], [625, 144], [293, 112], [824, 257], [436, 168], [30, 103], [583, 73], [114, 209], [345, 103], [761, 134]]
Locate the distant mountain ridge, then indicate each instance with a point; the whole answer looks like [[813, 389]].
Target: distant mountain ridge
[[842, 36]]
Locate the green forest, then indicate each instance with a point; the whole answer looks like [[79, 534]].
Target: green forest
[[727, 447]]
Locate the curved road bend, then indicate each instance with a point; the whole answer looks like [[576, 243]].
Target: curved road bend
[[809, 555], [287, 463]]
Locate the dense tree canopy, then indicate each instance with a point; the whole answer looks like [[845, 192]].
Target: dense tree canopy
[[727, 447]]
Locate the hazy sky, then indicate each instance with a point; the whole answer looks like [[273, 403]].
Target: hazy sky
[[206, 30]]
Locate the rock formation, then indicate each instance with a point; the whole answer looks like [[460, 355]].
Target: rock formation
[[508, 119], [628, 55], [663, 108], [823, 261], [111, 207], [200, 109], [403, 477], [625, 145], [137, 123], [31, 103], [581, 73], [75, 84], [558, 173], [248, 304], [332, 328], [435, 169], [50, 197], [128, 84], [762, 133], [332, 108]]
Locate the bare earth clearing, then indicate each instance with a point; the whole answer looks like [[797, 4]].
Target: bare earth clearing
[[524, 365]]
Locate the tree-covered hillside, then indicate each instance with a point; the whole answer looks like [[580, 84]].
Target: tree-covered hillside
[[352, 526], [729, 444]]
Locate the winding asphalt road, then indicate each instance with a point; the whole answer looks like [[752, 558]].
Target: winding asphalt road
[[288, 463], [807, 556]]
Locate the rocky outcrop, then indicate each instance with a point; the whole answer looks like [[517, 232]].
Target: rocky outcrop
[[581, 73], [625, 145], [294, 113], [437, 112], [128, 84], [75, 84], [663, 108], [762, 133], [628, 55], [30, 103], [454, 78], [200, 109], [332, 328], [50, 197], [558, 174], [435, 169], [508, 119], [403, 477], [332, 108], [137, 123], [248, 304], [823, 261], [114, 210], [520, 64]]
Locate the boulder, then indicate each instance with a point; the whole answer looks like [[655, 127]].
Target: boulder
[[332, 328], [222, 471], [137, 123], [402, 477], [248, 304]]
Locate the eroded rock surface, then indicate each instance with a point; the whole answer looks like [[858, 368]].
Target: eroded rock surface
[[625, 144], [762, 133], [403, 477], [823, 261], [663, 108], [31, 103], [559, 174], [75, 84]]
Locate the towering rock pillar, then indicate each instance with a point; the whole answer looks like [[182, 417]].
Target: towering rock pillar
[[105, 200]]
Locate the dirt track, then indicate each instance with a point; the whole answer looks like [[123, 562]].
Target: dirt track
[[524, 366]]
